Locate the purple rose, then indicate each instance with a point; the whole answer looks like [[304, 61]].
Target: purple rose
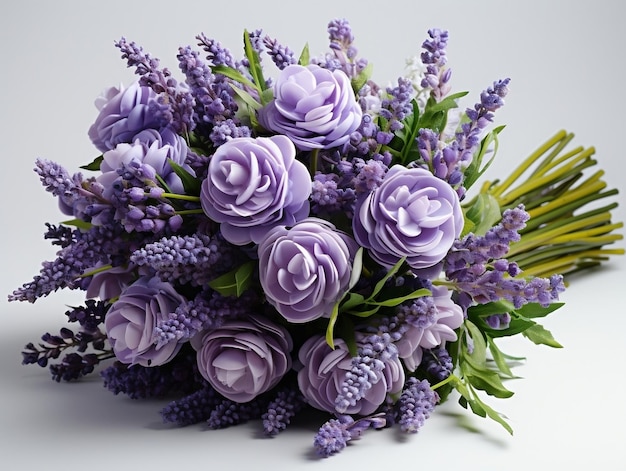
[[412, 214], [244, 358], [441, 329], [314, 106], [306, 269], [109, 283], [253, 185], [155, 150], [131, 320], [123, 113], [324, 371]]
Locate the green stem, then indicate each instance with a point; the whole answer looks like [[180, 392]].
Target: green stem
[[444, 382], [313, 162], [96, 271], [559, 137], [176, 196], [190, 211]]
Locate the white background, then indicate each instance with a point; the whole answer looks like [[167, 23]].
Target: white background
[[566, 63]]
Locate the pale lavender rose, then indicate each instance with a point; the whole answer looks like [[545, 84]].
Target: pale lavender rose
[[304, 270], [324, 370], [314, 106], [131, 320], [123, 112], [244, 358], [153, 149], [110, 282], [254, 184], [412, 214], [448, 317]]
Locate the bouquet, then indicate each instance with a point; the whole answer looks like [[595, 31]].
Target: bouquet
[[278, 233]]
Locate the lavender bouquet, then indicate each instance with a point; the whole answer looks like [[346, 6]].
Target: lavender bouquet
[[279, 233]]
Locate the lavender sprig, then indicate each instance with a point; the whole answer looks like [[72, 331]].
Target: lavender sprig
[[174, 105], [335, 434], [415, 405]]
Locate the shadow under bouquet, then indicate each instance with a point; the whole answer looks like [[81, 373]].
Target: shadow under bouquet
[[253, 243]]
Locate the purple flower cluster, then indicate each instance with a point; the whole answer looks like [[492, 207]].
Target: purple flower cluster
[[260, 246]]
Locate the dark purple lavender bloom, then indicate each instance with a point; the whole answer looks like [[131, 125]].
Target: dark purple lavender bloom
[[415, 405], [173, 107], [193, 408], [87, 249], [376, 355], [194, 259], [281, 55], [58, 181], [280, 410], [178, 376], [334, 435], [438, 363], [324, 370], [254, 185], [131, 321], [412, 214], [244, 358], [314, 107], [304, 270], [207, 311], [228, 413], [428, 328], [498, 321]]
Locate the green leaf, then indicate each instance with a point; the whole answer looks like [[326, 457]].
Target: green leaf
[[488, 309], [484, 213], [496, 416], [351, 301], [479, 353], [534, 310], [330, 335], [256, 70], [246, 97], [94, 165], [305, 56], [365, 312], [236, 281], [78, 223], [436, 113], [362, 78], [381, 284], [541, 336], [476, 169], [233, 74], [488, 381], [190, 183], [418, 293], [499, 359]]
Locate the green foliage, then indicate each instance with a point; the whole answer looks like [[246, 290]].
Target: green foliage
[[366, 305], [94, 165], [476, 169], [481, 365], [78, 223], [190, 183], [236, 281], [434, 117], [481, 215]]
